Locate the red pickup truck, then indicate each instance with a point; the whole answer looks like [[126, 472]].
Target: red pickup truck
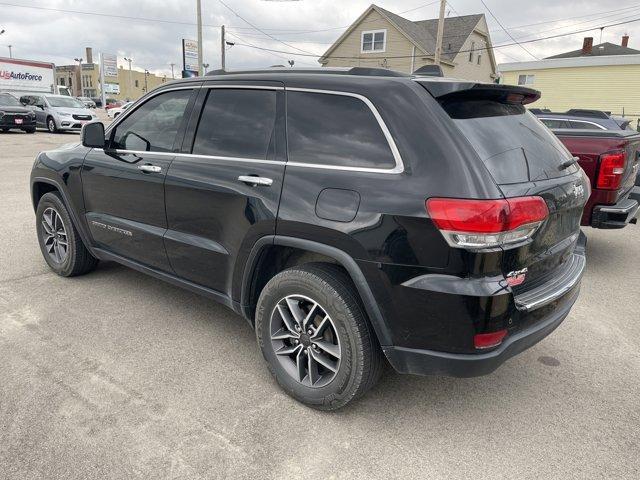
[[611, 160]]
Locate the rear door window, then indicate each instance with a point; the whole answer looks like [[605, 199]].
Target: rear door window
[[552, 123], [335, 130], [513, 144], [238, 123]]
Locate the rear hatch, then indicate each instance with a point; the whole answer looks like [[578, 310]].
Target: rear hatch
[[525, 159]]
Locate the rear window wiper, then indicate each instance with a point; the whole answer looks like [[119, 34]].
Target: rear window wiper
[[567, 163]]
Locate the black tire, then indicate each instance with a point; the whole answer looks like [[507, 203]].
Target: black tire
[[77, 260], [361, 361], [30, 130], [51, 125], [4, 130]]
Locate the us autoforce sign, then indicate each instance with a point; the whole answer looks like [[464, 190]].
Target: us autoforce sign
[[16, 75]]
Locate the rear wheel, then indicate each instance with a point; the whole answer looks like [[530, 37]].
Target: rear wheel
[[51, 125], [315, 336], [60, 243]]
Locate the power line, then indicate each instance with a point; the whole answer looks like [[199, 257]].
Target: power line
[[534, 40], [255, 46], [507, 31], [262, 31]]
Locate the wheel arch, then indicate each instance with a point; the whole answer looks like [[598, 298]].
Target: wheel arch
[[42, 185], [253, 274]]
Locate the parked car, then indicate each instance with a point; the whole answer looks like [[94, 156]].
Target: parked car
[[14, 116], [87, 102], [610, 159], [113, 104], [57, 112], [114, 112], [347, 214], [581, 119]]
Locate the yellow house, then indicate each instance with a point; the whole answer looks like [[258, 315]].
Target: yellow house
[[380, 38], [597, 77]]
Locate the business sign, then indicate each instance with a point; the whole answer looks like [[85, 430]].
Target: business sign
[[109, 65], [112, 88], [24, 75], [190, 57]]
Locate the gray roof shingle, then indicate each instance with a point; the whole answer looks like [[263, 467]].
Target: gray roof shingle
[[424, 32], [600, 50]]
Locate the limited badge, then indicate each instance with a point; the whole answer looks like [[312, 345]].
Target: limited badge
[[517, 277]]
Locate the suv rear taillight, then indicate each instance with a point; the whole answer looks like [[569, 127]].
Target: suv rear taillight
[[611, 170], [481, 224]]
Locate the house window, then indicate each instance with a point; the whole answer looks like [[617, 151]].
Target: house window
[[61, 81], [374, 41], [479, 59], [526, 79], [473, 47], [136, 83]]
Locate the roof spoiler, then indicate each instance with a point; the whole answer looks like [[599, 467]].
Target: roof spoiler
[[430, 71], [448, 90]]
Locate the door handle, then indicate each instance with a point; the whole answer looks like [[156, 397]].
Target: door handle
[[150, 168], [255, 181]]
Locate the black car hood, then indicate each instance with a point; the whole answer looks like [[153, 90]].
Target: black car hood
[[14, 109]]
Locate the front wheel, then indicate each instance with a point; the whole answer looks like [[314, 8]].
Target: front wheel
[[60, 243], [315, 336], [51, 125], [30, 130]]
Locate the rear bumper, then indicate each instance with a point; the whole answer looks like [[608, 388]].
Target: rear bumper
[[618, 215], [429, 362], [534, 314]]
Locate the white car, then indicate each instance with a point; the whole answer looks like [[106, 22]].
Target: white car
[[114, 112]]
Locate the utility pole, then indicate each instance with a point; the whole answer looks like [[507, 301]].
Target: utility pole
[[130, 83], [146, 74], [199, 18], [438, 52], [172, 75], [10, 54], [222, 48]]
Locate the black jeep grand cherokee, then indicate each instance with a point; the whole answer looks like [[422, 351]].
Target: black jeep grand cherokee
[[348, 215]]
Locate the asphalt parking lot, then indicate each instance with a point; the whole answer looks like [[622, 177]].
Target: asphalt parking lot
[[118, 375]]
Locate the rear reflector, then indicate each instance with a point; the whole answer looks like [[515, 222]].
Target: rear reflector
[[611, 170], [489, 340], [478, 224]]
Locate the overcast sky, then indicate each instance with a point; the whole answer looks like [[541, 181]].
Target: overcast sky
[[305, 25]]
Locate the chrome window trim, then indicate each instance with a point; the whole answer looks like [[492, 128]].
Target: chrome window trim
[[573, 120], [399, 167], [208, 157]]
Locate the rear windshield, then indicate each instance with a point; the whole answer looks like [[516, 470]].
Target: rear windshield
[[514, 145]]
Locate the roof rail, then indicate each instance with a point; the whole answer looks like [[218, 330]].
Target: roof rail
[[362, 71], [579, 112]]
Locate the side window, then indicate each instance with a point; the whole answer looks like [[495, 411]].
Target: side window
[[554, 123], [237, 123], [153, 127], [335, 130], [584, 125]]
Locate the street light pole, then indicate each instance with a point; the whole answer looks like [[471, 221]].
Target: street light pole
[[130, 83], [199, 19]]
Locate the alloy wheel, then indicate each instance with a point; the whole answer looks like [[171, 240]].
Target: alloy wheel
[[305, 341], [52, 125], [56, 243]]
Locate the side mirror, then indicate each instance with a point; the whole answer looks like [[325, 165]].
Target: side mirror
[[92, 135]]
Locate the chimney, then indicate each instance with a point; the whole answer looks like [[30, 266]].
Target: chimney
[[587, 46], [625, 41], [89, 55]]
